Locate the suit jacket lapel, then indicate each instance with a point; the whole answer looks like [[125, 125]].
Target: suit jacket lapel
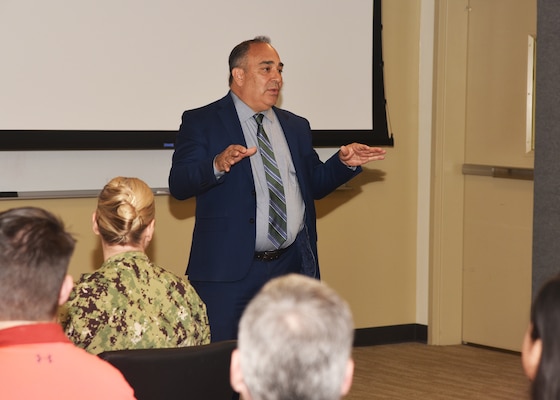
[[230, 120]]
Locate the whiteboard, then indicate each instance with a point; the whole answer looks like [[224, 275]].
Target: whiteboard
[[85, 172]]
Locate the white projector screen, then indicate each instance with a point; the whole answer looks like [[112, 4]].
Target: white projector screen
[[137, 64]]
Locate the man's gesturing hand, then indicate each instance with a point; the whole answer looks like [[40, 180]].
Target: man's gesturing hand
[[356, 154], [231, 156]]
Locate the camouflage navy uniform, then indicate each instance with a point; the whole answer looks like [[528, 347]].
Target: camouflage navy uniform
[[130, 303]]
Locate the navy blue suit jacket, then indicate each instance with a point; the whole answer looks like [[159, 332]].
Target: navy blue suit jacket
[[223, 242]]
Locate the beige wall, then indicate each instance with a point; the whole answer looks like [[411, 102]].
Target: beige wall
[[169, 248], [367, 234]]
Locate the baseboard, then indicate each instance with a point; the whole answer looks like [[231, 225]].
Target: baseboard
[[391, 334]]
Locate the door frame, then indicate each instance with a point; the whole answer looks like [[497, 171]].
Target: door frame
[[447, 187]]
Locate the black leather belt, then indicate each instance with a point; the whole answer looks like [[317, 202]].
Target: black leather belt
[[270, 255]]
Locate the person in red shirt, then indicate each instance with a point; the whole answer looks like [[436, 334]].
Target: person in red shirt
[[37, 360]]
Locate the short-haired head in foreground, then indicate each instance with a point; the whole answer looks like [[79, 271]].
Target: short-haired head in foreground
[[541, 346], [35, 251], [295, 342]]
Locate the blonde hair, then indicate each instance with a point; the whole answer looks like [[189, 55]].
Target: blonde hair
[[125, 207]]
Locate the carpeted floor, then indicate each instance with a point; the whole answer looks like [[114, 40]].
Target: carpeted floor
[[418, 371]]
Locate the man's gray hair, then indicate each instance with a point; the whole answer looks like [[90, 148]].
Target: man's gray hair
[[295, 341]]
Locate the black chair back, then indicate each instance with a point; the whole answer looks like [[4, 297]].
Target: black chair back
[[195, 372]]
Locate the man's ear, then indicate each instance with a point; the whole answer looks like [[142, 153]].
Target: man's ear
[[236, 376], [65, 289], [348, 377], [238, 75]]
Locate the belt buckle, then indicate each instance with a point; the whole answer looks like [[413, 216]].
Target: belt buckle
[[271, 255], [268, 255]]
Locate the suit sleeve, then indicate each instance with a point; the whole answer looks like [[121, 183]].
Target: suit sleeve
[[330, 175], [322, 177], [192, 171]]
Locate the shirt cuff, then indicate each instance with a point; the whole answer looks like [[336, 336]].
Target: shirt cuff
[[217, 174]]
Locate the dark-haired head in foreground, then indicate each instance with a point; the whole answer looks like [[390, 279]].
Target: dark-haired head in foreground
[[541, 346], [37, 360]]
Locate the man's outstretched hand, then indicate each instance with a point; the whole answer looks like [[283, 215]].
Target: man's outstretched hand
[[356, 154]]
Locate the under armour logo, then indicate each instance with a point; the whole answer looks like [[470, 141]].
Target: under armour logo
[[41, 359]]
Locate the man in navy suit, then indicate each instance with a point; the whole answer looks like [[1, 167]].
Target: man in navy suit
[[217, 160]]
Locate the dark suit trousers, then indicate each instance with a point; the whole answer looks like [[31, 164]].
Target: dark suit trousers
[[225, 301]]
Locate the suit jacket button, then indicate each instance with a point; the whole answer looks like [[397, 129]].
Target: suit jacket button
[[251, 220]]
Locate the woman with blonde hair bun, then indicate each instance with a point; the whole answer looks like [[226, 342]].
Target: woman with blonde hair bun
[[130, 303]]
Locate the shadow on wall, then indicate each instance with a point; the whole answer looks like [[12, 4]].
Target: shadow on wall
[[181, 209], [347, 192]]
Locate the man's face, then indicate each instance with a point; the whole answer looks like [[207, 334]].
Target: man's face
[[261, 78]]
